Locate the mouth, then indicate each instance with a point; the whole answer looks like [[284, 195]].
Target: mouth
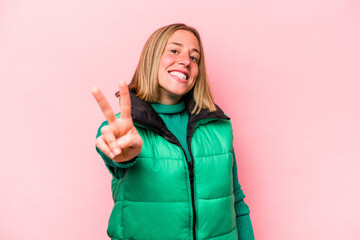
[[179, 74]]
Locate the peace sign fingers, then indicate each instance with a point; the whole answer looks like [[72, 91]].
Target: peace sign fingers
[[120, 140]]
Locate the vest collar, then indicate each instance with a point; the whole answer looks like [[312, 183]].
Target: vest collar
[[145, 116]]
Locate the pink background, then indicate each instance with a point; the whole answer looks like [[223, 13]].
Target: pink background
[[287, 72]]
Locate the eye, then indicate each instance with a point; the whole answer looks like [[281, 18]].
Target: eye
[[193, 59], [173, 51]]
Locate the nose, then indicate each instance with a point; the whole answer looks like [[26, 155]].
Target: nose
[[184, 59]]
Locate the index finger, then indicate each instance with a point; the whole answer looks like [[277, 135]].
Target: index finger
[[104, 105], [125, 102]]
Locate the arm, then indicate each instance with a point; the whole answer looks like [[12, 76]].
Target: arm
[[243, 221]]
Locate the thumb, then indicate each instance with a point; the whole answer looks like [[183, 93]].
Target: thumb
[[129, 140]]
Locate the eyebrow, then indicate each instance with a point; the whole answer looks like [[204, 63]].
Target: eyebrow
[[181, 45]]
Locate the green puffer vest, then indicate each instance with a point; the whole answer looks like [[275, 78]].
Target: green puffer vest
[[164, 196]]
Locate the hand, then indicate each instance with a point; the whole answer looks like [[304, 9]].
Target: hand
[[120, 140]]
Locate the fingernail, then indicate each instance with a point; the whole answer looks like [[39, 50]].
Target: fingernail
[[94, 89], [116, 151], [111, 155]]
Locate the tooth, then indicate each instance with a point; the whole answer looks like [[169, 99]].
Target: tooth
[[178, 74]]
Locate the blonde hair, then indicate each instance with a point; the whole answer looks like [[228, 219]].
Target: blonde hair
[[145, 79]]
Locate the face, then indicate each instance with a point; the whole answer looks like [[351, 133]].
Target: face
[[178, 67]]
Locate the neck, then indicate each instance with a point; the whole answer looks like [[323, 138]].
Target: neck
[[169, 100]]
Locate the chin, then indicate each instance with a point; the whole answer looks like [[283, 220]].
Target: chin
[[180, 93]]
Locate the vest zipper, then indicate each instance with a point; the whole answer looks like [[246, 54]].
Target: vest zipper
[[191, 177]]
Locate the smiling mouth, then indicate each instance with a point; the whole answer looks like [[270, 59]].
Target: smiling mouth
[[179, 75]]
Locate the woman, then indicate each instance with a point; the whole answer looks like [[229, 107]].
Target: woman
[[170, 153]]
